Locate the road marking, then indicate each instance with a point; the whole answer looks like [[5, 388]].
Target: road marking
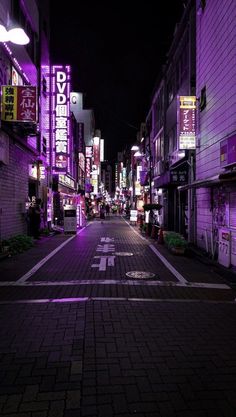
[[84, 299], [168, 265], [162, 258], [105, 248], [104, 262], [44, 260], [115, 282]]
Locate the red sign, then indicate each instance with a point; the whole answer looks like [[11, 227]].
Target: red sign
[[19, 103]]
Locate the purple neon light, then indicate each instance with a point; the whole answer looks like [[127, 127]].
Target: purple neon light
[[15, 62], [66, 69]]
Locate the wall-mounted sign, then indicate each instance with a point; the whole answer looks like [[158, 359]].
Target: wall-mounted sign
[[144, 177], [87, 167], [19, 103], [61, 117], [81, 161], [33, 171], [80, 137], [228, 151], [179, 175], [187, 122], [67, 181], [88, 151]]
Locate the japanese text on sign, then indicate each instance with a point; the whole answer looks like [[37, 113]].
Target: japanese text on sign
[[19, 103]]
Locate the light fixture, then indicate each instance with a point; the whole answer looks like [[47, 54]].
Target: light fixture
[[137, 153], [15, 35], [135, 148]]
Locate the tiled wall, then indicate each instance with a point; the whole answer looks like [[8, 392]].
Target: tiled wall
[[216, 69]]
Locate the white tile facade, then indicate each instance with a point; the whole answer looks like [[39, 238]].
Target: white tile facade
[[216, 70]]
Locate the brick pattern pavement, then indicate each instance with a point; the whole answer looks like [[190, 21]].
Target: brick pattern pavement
[[118, 359], [82, 250]]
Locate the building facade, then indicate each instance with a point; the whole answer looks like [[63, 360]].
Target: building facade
[[215, 209]]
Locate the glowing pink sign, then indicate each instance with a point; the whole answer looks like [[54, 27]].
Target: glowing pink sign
[[61, 117]]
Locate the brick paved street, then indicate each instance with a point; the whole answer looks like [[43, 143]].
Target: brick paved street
[[83, 340]]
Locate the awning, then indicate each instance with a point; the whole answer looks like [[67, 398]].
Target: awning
[[211, 181]]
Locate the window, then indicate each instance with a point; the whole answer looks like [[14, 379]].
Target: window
[[203, 98]]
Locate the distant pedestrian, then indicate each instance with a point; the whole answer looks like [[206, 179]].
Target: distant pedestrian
[[107, 209], [102, 212], [35, 218]]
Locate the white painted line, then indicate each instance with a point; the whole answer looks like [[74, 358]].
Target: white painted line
[[84, 299], [209, 285], [44, 260], [104, 261], [168, 265], [175, 272], [162, 258], [132, 282]]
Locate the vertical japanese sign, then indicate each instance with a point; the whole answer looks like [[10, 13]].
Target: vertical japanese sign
[[96, 151], [88, 161], [81, 137], [61, 118], [187, 122], [19, 103]]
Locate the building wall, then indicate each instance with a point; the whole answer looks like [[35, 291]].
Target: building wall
[[215, 69]]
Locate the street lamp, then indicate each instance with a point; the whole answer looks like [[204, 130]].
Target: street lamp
[[15, 35]]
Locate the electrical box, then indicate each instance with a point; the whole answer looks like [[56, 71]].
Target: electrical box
[[224, 252]]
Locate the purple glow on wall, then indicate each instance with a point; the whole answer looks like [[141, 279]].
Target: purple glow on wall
[[61, 118], [45, 106], [228, 151]]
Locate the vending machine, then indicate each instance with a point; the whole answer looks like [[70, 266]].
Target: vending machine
[[224, 252]]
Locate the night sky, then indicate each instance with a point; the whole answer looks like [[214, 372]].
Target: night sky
[[116, 52]]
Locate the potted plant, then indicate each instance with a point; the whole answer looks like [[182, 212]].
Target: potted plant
[[175, 243]]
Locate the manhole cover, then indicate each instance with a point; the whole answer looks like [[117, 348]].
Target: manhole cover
[[140, 274], [124, 253]]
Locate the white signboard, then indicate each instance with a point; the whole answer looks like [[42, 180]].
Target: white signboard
[[133, 215]]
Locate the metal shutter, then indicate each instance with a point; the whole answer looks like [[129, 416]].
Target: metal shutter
[[232, 209]]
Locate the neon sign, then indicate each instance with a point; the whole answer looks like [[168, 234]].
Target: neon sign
[[187, 122], [61, 118]]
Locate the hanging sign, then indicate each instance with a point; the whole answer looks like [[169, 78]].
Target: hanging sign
[[187, 122], [19, 103]]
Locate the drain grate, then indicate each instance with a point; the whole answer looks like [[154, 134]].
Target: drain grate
[[140, 274], [123, 253]]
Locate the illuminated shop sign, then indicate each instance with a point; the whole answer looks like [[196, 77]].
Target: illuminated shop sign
[[61, 118], [81, 137], [16, 79], [96, 153], [88, 151], [19, 103], [42, 172], [81, 161], [33, 171], [67, 181], [187, 122], [87, 167]]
